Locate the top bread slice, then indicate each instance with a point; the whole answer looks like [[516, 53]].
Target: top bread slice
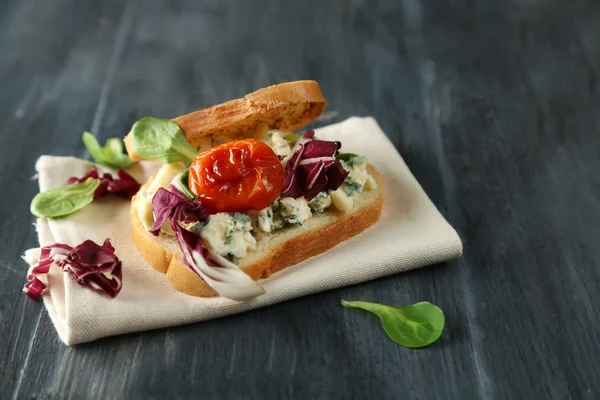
[[274, 251], [287, 106]]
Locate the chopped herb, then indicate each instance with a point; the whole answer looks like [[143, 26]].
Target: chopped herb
[[228, 239]]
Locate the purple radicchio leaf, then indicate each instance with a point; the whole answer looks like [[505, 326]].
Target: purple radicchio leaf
[[219, 273], [34, 287], [304, 138], [96, 267], [125, 185], [313, 168], [91, 265], [173, 205], [222, 275]]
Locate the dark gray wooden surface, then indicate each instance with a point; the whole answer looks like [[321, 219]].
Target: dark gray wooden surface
[[495, 106]]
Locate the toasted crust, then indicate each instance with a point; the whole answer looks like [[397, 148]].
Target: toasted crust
[[163, 254], [286, 106]]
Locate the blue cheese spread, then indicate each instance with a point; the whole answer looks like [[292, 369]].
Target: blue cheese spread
[[229, 235], [320, 203]]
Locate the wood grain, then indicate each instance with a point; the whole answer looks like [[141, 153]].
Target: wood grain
[[495, 108]]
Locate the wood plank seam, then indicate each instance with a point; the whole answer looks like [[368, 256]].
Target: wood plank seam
[[113, 63]]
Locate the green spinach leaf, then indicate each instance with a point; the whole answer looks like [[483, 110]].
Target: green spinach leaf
[[64, 200], [110, 155], [413, 326], [159, 139]]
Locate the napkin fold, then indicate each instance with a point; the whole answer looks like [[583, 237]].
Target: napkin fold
[[411, 233]]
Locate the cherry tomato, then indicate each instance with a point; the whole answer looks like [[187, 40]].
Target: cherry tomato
[[237, 176]]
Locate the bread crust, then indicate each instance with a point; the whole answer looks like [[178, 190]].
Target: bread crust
[[287, 106], [291, 252]]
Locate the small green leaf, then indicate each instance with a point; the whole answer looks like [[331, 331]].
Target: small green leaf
[[113, 151], [93, 147], [182, 181], [413, 326], [346, 156], [114, 146], [349, 159], [292, 138], [110, 155], [64, 200], [159, 139]]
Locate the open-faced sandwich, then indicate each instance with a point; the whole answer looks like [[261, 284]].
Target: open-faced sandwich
[[240, 196]]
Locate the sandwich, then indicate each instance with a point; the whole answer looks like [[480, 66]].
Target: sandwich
[[242, 194]]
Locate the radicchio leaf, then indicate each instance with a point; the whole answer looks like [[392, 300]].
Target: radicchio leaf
[[125, 185], [49, 254], [91, 265], [304, 138], [313, 168], [175, 206], [219, 273], [222, 275], [96, 267]]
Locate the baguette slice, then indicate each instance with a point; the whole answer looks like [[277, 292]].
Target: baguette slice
[[287, 106], [275, 251]]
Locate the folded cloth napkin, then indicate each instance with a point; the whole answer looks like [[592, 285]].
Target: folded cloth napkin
[[410, 234]]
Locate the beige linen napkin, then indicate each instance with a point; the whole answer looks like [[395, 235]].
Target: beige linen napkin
[[410, 234]]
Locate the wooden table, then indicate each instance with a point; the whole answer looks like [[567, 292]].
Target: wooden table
[[494, 105]]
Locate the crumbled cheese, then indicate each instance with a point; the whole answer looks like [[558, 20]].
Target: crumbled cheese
[[341, 200], [290, 211], [371, 183], [229, 234], [320, 203], [279, 144], [294, 211], [358, 175], [267, 221]]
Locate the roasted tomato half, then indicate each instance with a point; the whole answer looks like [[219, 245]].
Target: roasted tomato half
[[237, 176]]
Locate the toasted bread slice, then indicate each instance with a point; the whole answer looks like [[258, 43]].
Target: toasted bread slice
[[274, 251], [286, 106]]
